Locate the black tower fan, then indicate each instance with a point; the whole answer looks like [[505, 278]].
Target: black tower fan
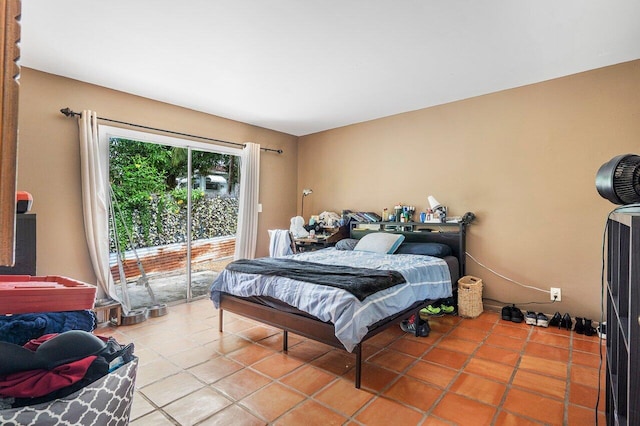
[[618, 180]]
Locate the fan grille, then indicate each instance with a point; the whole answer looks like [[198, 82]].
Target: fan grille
[[626, 182]]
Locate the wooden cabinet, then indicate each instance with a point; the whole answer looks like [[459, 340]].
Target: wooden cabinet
[[25, 263], [623, 318]]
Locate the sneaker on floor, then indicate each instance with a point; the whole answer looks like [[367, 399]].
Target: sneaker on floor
[[506, 313], [542, 320], [423, 329], [408, 327], [447, 309], [516, 315], [530, 318], [431, 310]]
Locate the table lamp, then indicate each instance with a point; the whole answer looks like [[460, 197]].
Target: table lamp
[[305, 192], [437, 207]]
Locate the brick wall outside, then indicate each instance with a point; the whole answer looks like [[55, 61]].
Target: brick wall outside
[[172, 257]]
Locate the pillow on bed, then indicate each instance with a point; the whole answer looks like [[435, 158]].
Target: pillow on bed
[[346, 244], [380, 242], [425, 249]]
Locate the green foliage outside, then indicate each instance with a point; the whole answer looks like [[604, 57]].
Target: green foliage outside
[[150, 207]]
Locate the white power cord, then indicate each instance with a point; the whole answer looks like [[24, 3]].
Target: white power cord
[[506, 278]]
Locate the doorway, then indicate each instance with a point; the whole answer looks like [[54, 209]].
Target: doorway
[[175, 214]]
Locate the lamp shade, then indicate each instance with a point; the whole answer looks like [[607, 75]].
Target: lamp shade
[[433, 203]]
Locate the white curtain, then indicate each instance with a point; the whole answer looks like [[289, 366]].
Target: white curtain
[[94, 167], [247, 234]]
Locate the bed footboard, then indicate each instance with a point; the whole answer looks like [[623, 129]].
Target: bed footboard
[[308, 327]]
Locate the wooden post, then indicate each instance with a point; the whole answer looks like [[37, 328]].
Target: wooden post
[[9, 88]]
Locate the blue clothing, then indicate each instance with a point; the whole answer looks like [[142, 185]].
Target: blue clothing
[[20, 328]]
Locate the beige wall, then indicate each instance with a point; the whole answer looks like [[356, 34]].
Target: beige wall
[[49, 161], [524, 160]]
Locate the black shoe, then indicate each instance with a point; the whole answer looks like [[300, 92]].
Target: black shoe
[[530, 318], [555, 320], [566, 321], [516, 315], [579, 328], [588, 328], [421, 330], [506, 313]]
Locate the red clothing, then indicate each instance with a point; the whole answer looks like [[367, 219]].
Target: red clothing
[[36, 383], [33, 344]]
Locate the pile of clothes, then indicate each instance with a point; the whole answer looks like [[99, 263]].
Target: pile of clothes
[[56, 365], [20, 328]]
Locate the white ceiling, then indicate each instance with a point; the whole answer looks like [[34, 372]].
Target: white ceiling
[[305, 66]]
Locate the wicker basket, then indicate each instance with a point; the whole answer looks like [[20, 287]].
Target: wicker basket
[[469, 296]]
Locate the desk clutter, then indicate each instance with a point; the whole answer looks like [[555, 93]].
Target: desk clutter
[[319, 230], [435, 212], [328, 228]]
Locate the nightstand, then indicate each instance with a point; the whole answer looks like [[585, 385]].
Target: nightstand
[[312, 244]]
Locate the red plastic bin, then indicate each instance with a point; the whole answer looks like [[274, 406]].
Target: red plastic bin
[[21, 294]]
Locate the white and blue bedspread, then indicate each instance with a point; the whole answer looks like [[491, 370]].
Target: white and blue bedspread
[[426, 278]]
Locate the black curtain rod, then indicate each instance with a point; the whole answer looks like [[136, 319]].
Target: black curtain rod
[[69, 113]]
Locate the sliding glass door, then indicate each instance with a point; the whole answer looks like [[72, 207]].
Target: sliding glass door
[[212, 214], [174, 217]]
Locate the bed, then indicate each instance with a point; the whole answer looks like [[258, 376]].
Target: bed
[[330, 314]]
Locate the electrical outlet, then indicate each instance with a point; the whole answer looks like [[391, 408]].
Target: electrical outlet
[[555, 294]]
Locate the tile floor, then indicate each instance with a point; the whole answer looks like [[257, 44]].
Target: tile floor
[[481, 371]]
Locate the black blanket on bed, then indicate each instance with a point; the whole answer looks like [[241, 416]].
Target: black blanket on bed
[[361, 282]]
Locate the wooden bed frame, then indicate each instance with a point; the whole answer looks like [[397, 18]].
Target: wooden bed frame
[[313, 328]]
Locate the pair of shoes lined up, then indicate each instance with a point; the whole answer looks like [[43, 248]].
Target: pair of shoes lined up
[[561, 321], [513, 314], [431, 310], [539, 319], [448, 306], [421, 329], [584, 326], [434, 310]]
